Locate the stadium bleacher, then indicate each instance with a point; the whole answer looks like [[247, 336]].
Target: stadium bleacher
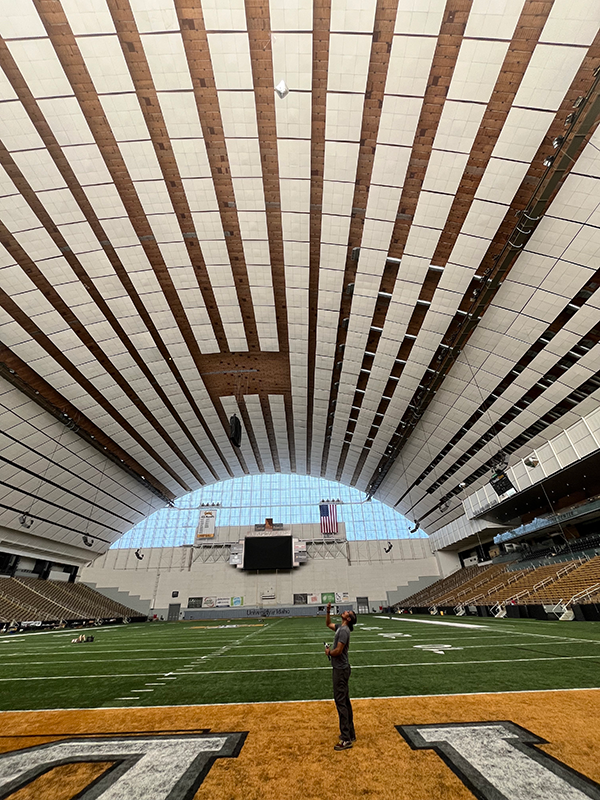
[[549, 583], [29, 599], [584, 578]]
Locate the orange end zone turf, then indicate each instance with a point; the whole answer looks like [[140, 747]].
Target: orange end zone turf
[[287, 751]]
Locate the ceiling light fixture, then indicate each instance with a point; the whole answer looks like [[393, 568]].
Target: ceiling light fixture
[[281, 90]]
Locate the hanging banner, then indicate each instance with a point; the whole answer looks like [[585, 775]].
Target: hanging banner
[[209, 602], [206, 525], [235, 602], [328, 597], [314, 598], [342, 597]]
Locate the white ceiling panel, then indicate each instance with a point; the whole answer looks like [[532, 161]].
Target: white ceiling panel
[[548, 76], [348, 62], [105, 63]]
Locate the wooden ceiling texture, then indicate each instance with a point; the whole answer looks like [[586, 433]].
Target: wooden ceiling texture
[[390, 273]]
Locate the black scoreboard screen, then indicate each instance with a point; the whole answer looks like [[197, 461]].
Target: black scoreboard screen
[[268, 552]]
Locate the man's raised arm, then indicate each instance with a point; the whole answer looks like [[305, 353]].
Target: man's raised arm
[[328, 621]]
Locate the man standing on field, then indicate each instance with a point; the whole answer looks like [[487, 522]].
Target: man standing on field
[[338, 655]]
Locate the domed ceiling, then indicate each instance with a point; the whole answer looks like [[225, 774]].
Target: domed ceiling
[[369, 228]]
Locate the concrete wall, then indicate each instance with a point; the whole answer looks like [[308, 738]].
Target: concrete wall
[[449, 562], [402, 592], [362, 569]]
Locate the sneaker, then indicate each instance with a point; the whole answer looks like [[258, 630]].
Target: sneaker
[[343, 745]]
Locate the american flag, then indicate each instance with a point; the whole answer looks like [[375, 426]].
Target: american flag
[[329, 522]]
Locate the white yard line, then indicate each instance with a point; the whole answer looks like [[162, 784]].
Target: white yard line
[[237, 642], [10, 637], [303, 669], [318, 644], [219, 652], [434, 622], [317, 653], [318, 700]]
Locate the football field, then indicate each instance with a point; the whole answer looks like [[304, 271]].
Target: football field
[[253, 661]]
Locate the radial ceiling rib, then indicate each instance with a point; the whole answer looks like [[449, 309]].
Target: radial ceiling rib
[[42, 284], [455, 127], [364, 231], [82, 201], [66, 48], [46, 289], [145, 234], [473, 305], [19, 374], [420, 134], [320, 57], [43, 341]]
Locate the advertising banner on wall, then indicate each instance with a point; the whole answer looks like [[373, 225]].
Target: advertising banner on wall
[[342, 597], [235, 602], [206, 525], [314, 598], [327, 597], [223, 602], [300, 599], [209, 602]]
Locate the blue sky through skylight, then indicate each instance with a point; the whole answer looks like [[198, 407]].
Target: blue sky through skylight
[[290, 499]]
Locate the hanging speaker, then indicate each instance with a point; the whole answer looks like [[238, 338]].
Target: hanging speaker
[[235, 431]]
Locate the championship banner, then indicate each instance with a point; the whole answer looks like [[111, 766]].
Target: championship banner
[[235, 602], [206, 525], [300, 599], [327, 597]]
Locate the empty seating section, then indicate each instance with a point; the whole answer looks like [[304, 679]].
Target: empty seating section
[[451, 590], [11, 611], [561, 580], [580, 579], [40, 607], [523, 581], [28, 599], [475, 588], [426, 597]]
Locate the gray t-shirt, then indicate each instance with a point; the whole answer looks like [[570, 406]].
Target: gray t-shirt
[[342, 634]]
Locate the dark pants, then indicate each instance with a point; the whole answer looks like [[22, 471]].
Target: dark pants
[[341, 695]]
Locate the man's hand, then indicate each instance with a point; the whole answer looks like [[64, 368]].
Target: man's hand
[[327, 652], [328, 608]]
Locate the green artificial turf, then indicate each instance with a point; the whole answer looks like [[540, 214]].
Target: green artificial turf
[[164, 664]]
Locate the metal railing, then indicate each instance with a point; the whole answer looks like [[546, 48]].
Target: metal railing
[[594, 589]]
